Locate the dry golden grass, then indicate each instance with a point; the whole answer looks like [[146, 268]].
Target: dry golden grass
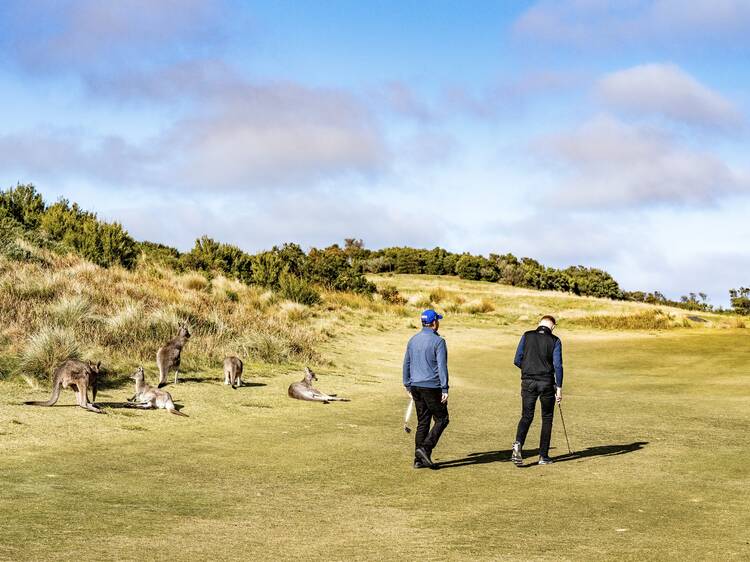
[[68, 307]]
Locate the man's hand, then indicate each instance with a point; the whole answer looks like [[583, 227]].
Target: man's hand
[[444, 398], [558, 395]]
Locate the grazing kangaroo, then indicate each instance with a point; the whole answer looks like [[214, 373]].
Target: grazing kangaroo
[[304, 390], [150, 397], [79, 376], [233, 371], [168, 356]]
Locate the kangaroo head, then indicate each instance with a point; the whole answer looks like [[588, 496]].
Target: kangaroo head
[[95, 368], [309, 375], [184, 332], [138, 374]]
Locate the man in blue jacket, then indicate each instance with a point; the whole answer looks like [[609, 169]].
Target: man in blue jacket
[[539, 356], [426, 380]]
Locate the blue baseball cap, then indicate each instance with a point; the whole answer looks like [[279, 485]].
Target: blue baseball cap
[[429, 316]]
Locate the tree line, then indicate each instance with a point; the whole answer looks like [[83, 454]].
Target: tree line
[[294, 272]]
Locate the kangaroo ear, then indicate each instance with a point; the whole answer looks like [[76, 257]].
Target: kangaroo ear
[[98, 364]]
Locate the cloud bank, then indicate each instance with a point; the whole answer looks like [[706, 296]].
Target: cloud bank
[[668, 91]]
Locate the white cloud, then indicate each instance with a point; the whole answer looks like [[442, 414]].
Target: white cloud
[[629, 22], [666, 90], [247, 137], [606, 163], [92, 36]]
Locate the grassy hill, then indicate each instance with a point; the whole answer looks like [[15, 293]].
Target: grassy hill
[[656, 403]]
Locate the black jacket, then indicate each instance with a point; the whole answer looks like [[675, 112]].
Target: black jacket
[[539, 355]]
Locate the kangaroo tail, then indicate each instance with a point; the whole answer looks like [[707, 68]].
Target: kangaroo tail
[[52, 399], [176, 412]]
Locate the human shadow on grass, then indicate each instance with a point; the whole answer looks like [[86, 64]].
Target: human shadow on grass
[[504, 455]]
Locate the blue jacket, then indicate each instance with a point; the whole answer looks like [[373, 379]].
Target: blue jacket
[[426, 361]]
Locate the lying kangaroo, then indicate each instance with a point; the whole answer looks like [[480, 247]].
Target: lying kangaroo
[[233, 371], [168, 356], [304, 390], [79, 376], [150, 397]]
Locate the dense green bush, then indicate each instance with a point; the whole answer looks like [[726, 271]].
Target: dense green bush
[[298, 290], [740, 300], [390, 294], [102, 243], [23, 204], [22, 210]]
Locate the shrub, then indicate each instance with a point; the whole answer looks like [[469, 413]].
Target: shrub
[[740, 300], [23, 204], [298, 290], [390, 294]]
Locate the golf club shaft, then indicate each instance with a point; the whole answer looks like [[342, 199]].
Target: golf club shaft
[[409, 409], [562, 418]]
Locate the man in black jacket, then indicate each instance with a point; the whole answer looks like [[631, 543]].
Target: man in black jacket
[[539, 356]]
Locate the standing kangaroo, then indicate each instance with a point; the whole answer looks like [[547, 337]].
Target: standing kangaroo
[[304, 390], [168, 356], [79, 376], [149, 397], [233, 371]]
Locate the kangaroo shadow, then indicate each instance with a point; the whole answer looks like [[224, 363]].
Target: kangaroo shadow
[[115, 405], [130, 405], [504, 455]]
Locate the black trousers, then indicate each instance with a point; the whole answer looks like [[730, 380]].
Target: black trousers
[[544, 390], [429, 407]]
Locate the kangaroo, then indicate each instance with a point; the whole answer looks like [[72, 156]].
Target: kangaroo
[[233, 371], [168, 356], [150, 397], [304, 390], [79, 376]]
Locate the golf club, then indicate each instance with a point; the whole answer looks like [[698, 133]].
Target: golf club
[[409, 409], [565, 430]]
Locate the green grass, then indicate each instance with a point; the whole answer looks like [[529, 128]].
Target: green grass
[[659, 418]]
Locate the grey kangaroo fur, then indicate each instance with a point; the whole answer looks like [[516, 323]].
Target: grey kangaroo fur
[[77, 375], [304, 390], [149, 397], [168, 356], [233, 371]]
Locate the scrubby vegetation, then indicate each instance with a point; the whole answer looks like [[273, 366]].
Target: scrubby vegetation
[[72, 285], [28, 222], [69, 307], [655, 319]]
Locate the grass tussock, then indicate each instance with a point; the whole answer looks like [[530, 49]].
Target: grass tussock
[[194, 281], [46, 349], [482, 306], [438, 295], [655, 319]]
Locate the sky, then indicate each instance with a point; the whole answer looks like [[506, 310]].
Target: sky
[[611, 134]]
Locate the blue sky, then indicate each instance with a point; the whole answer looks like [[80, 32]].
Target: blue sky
[[604, 133]]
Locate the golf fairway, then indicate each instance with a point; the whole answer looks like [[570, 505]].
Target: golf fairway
[[658, 420]]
